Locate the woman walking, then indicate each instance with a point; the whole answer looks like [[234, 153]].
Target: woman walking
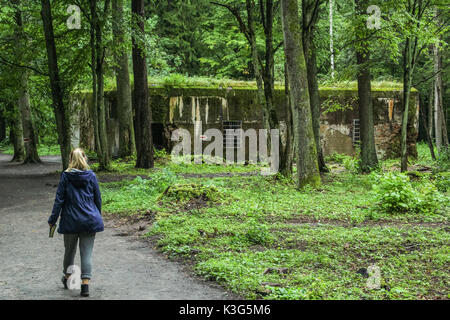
[[79, 203]]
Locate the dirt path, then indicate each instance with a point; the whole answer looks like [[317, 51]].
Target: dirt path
[[31, 262]]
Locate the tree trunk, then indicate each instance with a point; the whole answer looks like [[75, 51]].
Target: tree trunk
[[2, 128], [430, 110], [437, 98], [444, 129], [98, 55], [307, 166], [309, 19], [31, 154], [61, 113], [143, 115], [331, 39], [268, 72], [126, 131], [29, 136], [369, 158], [428, 136], [440, 125], [256, 62], [94, 84], [264, 74], [16, 133], [407, 75], [286, 154]]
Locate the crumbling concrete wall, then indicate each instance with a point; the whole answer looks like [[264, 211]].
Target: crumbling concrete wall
[[174, 108]]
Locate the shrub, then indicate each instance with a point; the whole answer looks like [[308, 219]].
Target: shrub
[[348, 162], [443, 159], [157, 183], [258, 233], [160, 153], [442, 181], [395, 194], [186, 192], [429, 199]]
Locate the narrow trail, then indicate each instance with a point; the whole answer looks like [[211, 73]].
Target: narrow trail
[[31, 263]]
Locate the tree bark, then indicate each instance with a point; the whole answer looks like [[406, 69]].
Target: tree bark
[[16, 133], [310, 12], [331, 39], [124, 105], [98, 55], [416, 10], [430, 110], [59, 107], [407, 76], [29, 136], [440, 123], [267, 17], [31, 154], [287, 153], [143, 114], [256, 62], [2, 128], [307, 166], [369, 158], [428, 136]]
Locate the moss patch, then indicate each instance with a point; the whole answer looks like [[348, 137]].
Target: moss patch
[[183, 193]]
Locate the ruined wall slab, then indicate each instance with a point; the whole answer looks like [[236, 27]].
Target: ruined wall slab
[[174, 108]]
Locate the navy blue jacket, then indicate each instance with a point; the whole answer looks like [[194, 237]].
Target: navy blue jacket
[[79, 202]]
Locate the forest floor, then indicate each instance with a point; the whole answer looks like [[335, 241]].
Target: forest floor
[[123, 267], [262, 239], [256, 236]]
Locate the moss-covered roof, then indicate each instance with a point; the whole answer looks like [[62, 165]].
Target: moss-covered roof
[[211, 83]]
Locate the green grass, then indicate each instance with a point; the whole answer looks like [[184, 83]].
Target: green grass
[[181, 81], [127, 166], [43, 150], [253, 226]]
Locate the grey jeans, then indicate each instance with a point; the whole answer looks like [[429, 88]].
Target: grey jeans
[[86, 247]]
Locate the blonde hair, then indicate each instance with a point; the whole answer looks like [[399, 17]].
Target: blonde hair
[[78, 160]]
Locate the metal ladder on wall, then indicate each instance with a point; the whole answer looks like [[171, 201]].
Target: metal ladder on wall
[[356, 132], [230, 140]]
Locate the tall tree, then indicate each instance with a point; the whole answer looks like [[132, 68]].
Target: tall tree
[[440, 123], [430, 110], [369, 158], [415, 11], [143, 114], [60, 109], [307, 166], [29, 135], [310, 14], [15, 132], [2, 127], [263, 62], [98, 20], [124, 103], [331, 39], [286, 136], [23, 96]]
